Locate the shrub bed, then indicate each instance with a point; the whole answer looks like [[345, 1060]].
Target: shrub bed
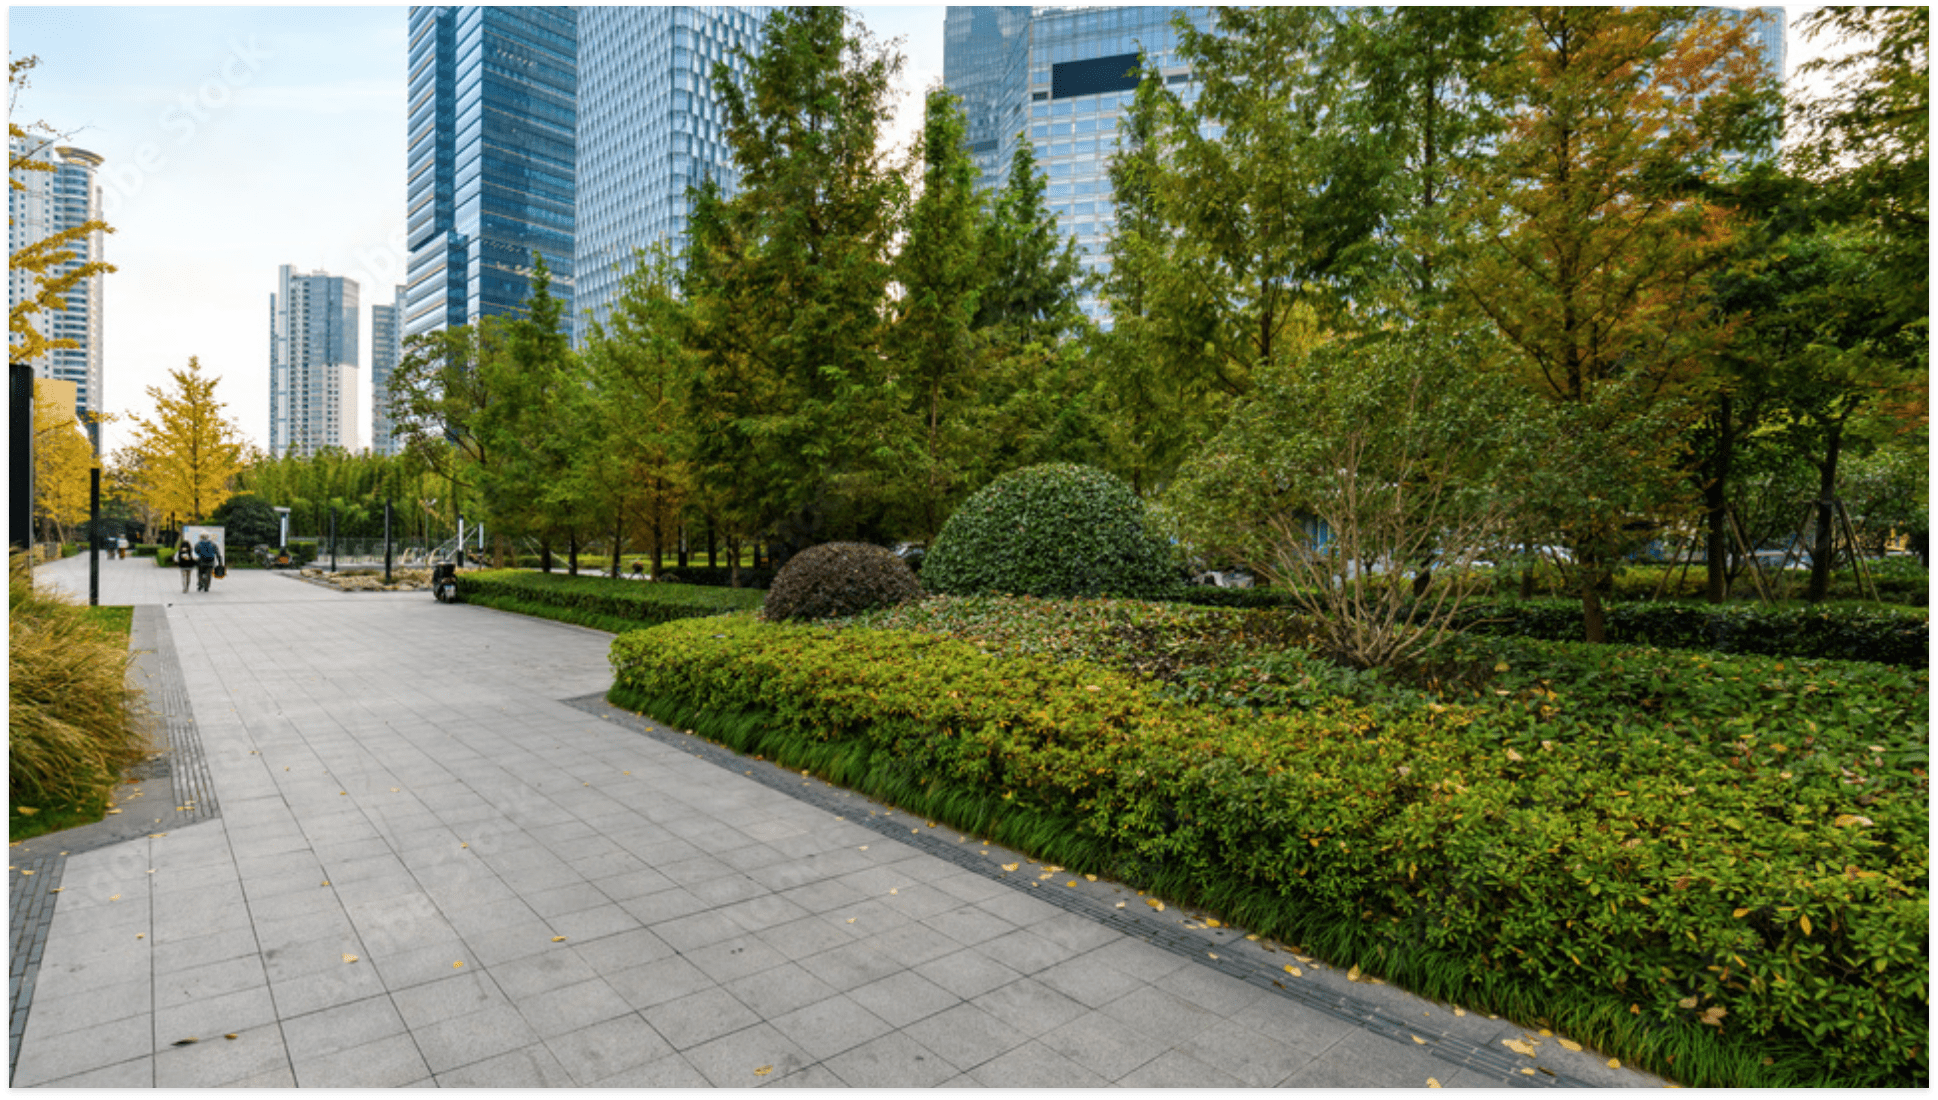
[[718, 576], [601, 602], [1703, 892], [1867, 633]]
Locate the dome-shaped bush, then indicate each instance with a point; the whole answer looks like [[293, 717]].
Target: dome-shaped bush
[[1053, 531], [839, 578]]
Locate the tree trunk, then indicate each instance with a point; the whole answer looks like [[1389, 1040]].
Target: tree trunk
[[1593, 628], [1820, 554], [618, 540], [733, 561], [681, 532], [545, 554], [713, 559], [1716, 501], [572, 552]]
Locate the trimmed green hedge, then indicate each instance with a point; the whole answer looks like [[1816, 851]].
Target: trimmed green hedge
[[601, 602], [1838, 633], [1695, 911], [717, 576]]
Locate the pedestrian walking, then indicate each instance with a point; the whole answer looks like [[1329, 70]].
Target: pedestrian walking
[[207, 557], [121, 544], [185, 561]]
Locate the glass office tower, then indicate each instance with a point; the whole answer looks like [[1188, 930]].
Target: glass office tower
[[386, 351], [1066, 77], [48, 203], [650, 127], [985, 62], [312, 363], [492, 159]]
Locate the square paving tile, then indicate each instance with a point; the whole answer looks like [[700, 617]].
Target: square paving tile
[[1102, 1044], [965, 1036], [1152, 1012], [893, 1061], [342, 1027], [49, 1056], [216, 1061], [558, 1011], [670, 1072], [462, 1040], [658, 982], [735, 958], [1174, 1069], [779, 990], [967, 973], [1034, 1065], [385, 1063], [731, 1060], [699, 1018], [1088, 981], [305, 993], [595, 1053], [545, 970], [620, 951], [828, 1027], [904, 997], [1029, 1006]]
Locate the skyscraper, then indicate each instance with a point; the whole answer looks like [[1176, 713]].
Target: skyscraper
[[312, 363], [491, 159], [985, 61], [52, 202], [1067, 76], [386, 351], [650, 127]]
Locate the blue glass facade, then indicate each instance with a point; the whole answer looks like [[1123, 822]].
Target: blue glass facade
[[386, 350], [985, 63], [1067, 76], [650, 127], [44, 204], [492, 159]]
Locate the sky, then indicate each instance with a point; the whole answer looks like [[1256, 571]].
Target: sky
[[238, 139]]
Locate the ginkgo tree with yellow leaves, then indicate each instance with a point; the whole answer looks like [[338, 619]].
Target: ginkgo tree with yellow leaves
[[62, 459], [189, 454]]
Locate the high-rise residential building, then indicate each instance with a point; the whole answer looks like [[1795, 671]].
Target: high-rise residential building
[[650, 126], [386, 351], [312, 363], [50, 203], [491, 159]]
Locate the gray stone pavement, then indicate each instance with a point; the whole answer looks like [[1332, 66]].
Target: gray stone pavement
[[437, 862]]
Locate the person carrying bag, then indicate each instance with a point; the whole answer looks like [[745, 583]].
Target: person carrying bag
[[185, 561], [208, 558]]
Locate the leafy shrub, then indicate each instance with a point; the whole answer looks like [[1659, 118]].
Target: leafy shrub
[[1840, 633], [1052, 530], [72, 720], [600, 602], [1201, 595], [839, 578], [1747, 917], [248, 520]]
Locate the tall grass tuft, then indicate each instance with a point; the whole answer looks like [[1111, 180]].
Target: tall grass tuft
[[73, 722]]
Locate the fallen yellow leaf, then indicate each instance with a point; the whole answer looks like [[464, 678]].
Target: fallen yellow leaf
[[1686, 1002], [1740, 913], [1418, 1040], [1546, 1034], [1804, 923], [1460, 1012], [1090, 878], [114, 897], [26, 872], [1569, 1044], [1527, 1071], [894, 890], [1433, 1082], [232, 1035], [1072, 882], [27, 811], [1614, 1063], [1011, 866], [558, 939], [763, 1071], [1353, 974], [457, 964], [1155, 904], [1209, 923], [1294, 971], [349, 958], [1518, 1047]]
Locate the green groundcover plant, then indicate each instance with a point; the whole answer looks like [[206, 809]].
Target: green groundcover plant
[[1704, 866], [600, 602]]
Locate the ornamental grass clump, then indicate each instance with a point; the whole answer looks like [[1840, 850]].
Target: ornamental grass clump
[[72, 720], [837, 579]]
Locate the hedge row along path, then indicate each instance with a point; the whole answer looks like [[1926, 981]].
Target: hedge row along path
[[438, 859]]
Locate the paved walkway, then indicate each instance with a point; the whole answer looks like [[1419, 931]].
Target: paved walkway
[[426, 854]]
